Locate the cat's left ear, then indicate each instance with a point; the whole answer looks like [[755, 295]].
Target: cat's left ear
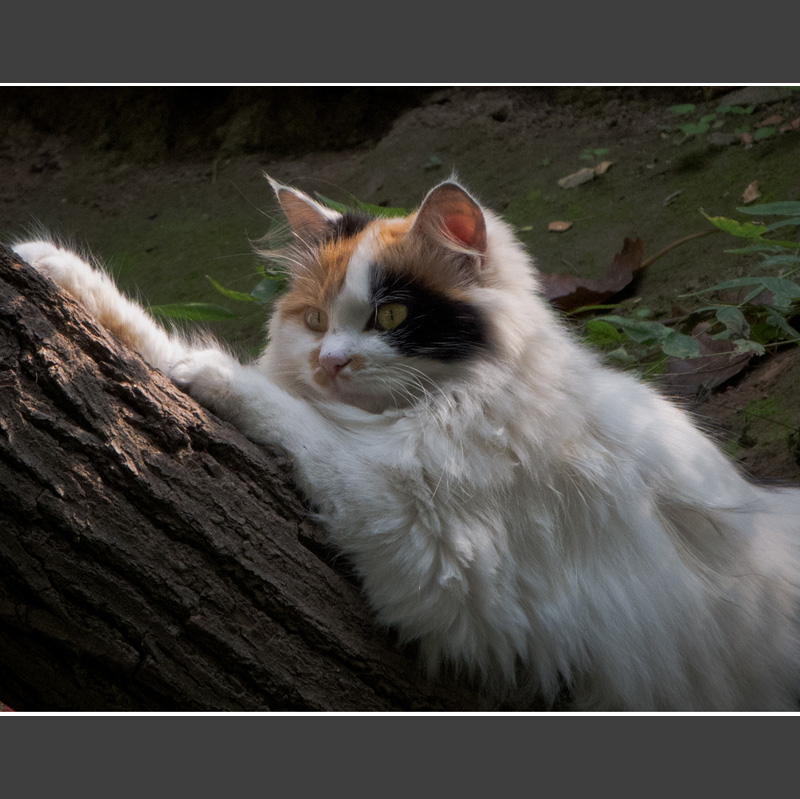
[[453, 218], [307, 218]]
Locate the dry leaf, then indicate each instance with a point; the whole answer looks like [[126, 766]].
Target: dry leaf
[[568, 292], [602, 167], [559, 227], [775, 119], [787, 126], [584, 175], [751, 193], [747, 140], [717, 363], [576, 178]]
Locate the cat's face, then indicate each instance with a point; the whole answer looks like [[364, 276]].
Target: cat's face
[[380, 311]]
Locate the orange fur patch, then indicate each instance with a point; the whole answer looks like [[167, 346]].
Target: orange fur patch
[[319, 283], [357, 362], [321, 279]]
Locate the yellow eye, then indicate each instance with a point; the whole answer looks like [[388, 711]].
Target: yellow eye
[[316, 319], [390, 315]]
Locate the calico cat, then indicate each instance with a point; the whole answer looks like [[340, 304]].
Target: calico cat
[[528, 515]]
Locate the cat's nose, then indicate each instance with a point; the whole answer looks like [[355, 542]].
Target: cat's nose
[[333, 362]]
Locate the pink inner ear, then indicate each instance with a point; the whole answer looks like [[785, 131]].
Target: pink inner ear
[[448, 210], [461, 227], [466, 225]]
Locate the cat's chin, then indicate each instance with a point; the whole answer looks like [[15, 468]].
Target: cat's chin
[[359, 397]]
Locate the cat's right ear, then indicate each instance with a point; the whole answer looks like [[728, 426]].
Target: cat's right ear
[[307, 218], [451, 216]]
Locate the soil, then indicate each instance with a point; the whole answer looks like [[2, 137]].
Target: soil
[[166, 187]]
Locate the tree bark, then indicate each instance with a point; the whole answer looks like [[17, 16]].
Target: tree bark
[[151, 557]]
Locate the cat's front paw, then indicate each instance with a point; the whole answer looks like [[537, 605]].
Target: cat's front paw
[[38, 254], [206, 375], [63, 267]]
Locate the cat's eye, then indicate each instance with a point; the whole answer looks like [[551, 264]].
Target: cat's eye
[[390, 315], [316, 319]]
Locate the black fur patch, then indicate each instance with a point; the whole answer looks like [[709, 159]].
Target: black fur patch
[[437, 326], [350, 224]]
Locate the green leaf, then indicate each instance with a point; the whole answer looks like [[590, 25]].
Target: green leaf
[[230, 293], [602, 333], [735, 109], [785, 290], [782, 260], [193, 311], [734, 283], [695, 128], [746, 345], [735, 323], [640, 330], [266, 290], [685, 108], [746, 230], [764, 133], [680, 345], [787, 208], [778, 320], [375, 210], [622, 356], [784, 223], [765, 246], [762, 333]]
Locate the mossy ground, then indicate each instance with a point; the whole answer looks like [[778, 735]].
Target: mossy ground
[[162, 224]]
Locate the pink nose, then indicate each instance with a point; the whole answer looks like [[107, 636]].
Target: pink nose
[[333, 362]]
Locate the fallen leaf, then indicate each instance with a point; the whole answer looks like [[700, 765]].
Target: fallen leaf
[[775, 119], [559, 227], [577, 178], [787, 126], [584, 175], [717, 363], [602, 167], [568, 292], [751, 193], [747, 139]]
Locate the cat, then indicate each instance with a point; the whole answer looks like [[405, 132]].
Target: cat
[[531, 517]]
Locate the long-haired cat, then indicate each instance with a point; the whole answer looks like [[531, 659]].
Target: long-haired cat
[[530, 516]]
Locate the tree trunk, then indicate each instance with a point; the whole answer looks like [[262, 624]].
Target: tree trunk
[[151, 557]]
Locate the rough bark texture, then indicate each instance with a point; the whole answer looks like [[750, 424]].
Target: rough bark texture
[[152, 558]]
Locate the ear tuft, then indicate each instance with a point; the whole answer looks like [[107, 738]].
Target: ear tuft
[[307, 218], [450, 213]]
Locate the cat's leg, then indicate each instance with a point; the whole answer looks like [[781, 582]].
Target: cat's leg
[[248, 399], [255, 404], [96, 291]]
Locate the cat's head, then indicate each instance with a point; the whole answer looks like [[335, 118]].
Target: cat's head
[[382, 311]]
